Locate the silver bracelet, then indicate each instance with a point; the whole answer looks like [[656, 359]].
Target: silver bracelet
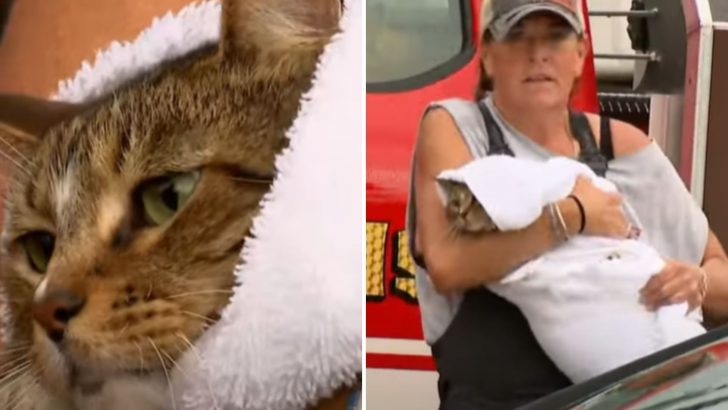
[[562, 222], [703, 282], [554, 219]]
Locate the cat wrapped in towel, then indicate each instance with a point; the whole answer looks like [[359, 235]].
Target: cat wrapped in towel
[[581, 299]]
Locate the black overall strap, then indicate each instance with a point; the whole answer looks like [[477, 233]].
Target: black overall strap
[[605, 138], [594, 157], [589, 153], [496, 143]]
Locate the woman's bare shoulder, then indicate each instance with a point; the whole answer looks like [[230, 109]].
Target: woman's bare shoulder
[[440, 141], [626, 138]]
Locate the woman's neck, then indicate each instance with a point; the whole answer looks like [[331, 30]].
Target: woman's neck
[[546, 127]]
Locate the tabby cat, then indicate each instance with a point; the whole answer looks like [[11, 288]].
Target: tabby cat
[[125, 216], [463, 211]]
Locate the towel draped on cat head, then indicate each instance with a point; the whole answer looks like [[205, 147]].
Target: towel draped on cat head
[[130, 197]]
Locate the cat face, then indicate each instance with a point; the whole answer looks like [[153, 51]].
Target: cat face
[[124, 222], [462, 210]]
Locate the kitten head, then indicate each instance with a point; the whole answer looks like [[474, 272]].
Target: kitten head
[[464, 213], [125, 216]]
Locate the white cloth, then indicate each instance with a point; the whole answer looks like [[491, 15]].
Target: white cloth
[[293, 332], [581, 299], [509, 192]]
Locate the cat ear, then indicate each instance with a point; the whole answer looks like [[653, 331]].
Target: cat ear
[[259, 31], [23, 121]]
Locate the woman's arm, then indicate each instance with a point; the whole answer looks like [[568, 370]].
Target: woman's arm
[[715, 263], [455, 262], [705, 285], [679, 281]]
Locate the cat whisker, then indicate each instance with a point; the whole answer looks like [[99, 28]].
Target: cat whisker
[[123, 329], [453, 231], [13, 363], [17, 346], [174, 363], [15, 349], [190, 346], [149, 292], [15, 150], [196, 352], [198, 316], [10, 368], [15, 162], [256, 181], [18, 399], [141, 356], [201, 292], [31, 386], [8, 386], [18, 366], [187, 376], [20, 394], [166, 373], [5, 356], [10, 381], [17, 396]]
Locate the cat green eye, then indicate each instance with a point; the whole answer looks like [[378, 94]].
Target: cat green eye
[[39, 249], [163, 197]]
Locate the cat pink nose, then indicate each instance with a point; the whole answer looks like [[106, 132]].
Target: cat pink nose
[[53, 310]]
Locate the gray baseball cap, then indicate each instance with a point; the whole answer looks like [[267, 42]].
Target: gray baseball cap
[[500, 16]]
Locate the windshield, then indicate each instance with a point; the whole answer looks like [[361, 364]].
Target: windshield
[[406, 38], [698, 380]]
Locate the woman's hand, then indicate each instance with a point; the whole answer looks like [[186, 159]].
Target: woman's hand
[[677, 282], [604, 215]]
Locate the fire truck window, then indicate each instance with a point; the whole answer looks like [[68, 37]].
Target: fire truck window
[[410, 37]]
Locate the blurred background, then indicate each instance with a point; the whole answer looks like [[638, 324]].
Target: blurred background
[[46, 41]]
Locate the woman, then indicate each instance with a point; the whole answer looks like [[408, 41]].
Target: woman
[[533, 53]]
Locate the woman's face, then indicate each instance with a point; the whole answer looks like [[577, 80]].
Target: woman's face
[[537, 64]]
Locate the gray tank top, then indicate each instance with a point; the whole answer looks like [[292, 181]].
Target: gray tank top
[[670, 218]]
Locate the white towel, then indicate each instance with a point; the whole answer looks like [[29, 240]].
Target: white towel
[[293, 333], [506, 189], [581, 299]]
